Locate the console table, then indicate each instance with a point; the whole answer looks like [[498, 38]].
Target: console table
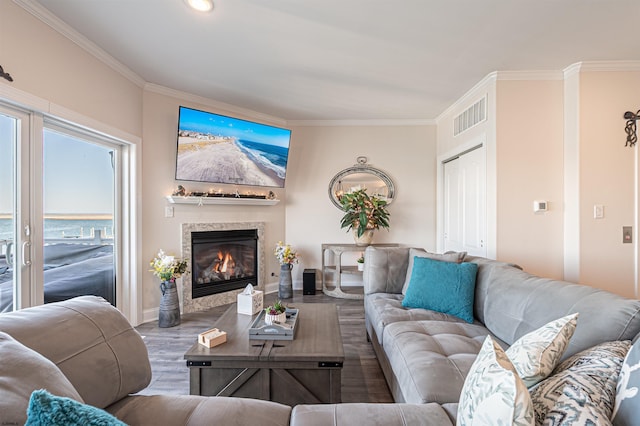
[[337, 269]]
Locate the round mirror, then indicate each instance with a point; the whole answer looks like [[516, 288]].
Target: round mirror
[[374, 180]]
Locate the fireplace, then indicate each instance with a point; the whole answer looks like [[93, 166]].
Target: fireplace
[[205, 284], [223, 260]]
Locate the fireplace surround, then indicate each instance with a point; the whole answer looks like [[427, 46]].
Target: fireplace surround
[[192, 298]]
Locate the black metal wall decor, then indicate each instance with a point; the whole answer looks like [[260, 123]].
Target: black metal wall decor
[[630, 127], [5, 75]]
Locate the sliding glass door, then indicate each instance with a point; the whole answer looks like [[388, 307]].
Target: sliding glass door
[[15, 232], [78, 205], [58, 204]]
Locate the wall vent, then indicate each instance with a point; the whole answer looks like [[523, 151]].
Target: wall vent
[[473, 115]]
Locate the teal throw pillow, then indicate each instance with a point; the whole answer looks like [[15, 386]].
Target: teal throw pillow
[[46, 409], [443, 287]]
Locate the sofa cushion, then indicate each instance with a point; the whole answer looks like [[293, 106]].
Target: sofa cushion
[[442, 286], [536, 354], [383, 309], [385, 269], [104, 358], [454, 257], [22, 371], [370, 414], [581, 387], [626, 411], [430, 359], [46, 409], [493, 393], [512, 303], [191, 410]]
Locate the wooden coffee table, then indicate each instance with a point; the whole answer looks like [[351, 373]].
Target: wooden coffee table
[[305, 370]]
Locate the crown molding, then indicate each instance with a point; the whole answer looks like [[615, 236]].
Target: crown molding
[[529, 75], [367, 123], [67, 31], [186, 96], [615, 66]]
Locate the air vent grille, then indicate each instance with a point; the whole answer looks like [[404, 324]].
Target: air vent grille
[[473, 115]]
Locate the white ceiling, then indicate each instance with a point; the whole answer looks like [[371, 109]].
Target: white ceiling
[[349, 59]]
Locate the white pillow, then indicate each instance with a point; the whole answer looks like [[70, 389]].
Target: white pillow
[[493, 393], [536, 354]]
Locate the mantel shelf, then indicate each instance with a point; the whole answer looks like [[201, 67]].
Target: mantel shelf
[[176, 199]]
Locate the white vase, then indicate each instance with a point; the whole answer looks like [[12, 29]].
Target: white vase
[[270, 319], [363, 240], [360, 266]]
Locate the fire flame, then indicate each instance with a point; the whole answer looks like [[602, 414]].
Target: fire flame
[[225, 262]]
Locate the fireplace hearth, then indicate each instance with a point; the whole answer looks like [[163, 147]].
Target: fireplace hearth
[[219, 268]]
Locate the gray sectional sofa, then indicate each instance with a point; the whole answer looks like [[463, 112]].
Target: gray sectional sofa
[[426, 355], [86, 350]]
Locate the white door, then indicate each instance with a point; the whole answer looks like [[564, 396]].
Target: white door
[[465, 203]]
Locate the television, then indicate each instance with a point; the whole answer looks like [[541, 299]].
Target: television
[[215, 148]]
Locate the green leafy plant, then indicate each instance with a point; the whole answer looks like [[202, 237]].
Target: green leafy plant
[[276, 308], [360, 259], [363, 211]]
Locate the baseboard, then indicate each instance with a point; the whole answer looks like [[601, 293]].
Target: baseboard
[[150, 315]]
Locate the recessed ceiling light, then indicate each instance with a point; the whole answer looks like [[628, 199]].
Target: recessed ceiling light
[[201, 5]]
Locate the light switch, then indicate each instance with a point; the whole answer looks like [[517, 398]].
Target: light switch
[[627, 232], [598, 211], [168, 211]]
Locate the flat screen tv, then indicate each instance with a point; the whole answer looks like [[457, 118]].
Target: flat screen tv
[[219, 149]]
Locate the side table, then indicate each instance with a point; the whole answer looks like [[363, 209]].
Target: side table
[[337, 269]]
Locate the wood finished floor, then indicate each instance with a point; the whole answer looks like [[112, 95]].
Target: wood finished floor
[[362, 378]]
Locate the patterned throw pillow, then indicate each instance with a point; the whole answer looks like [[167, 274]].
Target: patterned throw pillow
[[626, 411], [536, 354], [582, 388], [493, 394]]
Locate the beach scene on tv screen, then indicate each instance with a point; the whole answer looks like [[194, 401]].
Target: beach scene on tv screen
[[218, 149]]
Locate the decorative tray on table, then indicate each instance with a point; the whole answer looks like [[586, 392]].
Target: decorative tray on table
[[260, 330]]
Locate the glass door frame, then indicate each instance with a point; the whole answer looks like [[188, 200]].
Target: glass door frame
[[33, 110]]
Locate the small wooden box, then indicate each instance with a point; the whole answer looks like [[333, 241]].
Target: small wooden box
[[211, 338], [250, 304]]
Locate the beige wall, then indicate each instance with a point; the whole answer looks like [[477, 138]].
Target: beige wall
[[46, 64], [406, 154], [607, 175], [160, 120], [529, 131]]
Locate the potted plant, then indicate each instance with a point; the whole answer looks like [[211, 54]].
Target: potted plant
[[360, 262], [364, 213], [275, 313]]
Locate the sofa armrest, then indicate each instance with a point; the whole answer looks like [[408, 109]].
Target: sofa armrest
[[385, 269], [90, 341]]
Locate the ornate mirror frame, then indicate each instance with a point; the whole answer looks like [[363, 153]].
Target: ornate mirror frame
[[364, 175]]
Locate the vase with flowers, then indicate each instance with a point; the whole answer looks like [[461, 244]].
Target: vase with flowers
[[363, 214], [286, 257], [168, 269]]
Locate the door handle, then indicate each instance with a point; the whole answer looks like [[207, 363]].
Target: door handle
[[25, 248]]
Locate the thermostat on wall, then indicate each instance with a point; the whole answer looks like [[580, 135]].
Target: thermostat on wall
[[540, 206]]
